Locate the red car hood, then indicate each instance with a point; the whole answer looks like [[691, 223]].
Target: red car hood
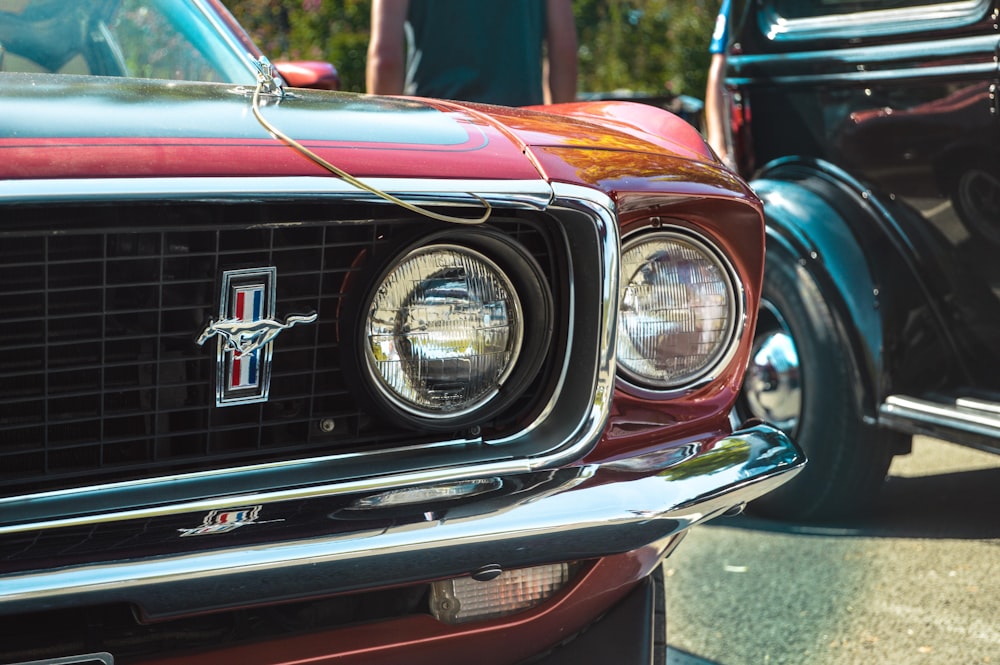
[[82, 127]]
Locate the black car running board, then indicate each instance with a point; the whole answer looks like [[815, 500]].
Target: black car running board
[[966, 420]]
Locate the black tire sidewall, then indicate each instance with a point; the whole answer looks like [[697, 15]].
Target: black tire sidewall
[[847, 458]]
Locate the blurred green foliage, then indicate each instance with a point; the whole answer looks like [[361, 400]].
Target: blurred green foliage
[[647, 46], [650, 46]]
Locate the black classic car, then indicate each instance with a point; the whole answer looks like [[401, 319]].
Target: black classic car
[[292, 375], [870, 130]]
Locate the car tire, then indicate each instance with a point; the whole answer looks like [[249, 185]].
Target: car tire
[[804, 379], [975, 194]]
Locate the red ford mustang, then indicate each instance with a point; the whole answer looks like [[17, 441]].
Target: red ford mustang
[[295, 375]]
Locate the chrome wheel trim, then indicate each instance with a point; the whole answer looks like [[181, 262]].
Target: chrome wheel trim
[[772, 389]]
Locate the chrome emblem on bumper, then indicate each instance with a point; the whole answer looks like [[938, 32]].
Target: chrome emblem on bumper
[[224, 521], [246, 329]]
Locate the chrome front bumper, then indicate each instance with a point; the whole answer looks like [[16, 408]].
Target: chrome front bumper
[[570, 514]]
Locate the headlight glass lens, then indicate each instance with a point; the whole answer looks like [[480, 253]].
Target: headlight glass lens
[[443, 331], [677, 313]]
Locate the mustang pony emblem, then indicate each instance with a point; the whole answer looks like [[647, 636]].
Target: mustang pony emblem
[[246, 328], [245, 337]]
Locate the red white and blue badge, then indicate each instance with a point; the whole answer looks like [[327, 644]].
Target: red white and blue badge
[[246, 330], [244, 369], [225, 521]]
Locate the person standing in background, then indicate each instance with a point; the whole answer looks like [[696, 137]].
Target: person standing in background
[[716, 97], [508, 52]]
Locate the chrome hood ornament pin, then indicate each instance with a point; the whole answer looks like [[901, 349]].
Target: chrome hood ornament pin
[[246, 328]]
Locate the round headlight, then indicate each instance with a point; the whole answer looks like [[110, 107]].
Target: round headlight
[[443, 331], [449, 331], [678, 311]]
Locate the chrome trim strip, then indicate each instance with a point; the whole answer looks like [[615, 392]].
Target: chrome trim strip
[[966, 421], [864, 76], [979, 405], [599, 206], [605, 516], [365, 485], [103, 657], [871, 23], [535, 194], [857, 60], [984, 44], [900, 409], [563, 443]]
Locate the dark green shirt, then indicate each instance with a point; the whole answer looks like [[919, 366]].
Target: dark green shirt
[[476, 50]]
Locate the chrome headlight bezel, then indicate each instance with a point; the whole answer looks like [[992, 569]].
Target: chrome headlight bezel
[[723, 349], [514, 271]]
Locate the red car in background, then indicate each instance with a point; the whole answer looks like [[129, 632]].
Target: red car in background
[[296, 375]]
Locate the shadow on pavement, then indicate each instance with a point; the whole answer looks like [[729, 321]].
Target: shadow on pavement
[[960, 505], [678, 657]]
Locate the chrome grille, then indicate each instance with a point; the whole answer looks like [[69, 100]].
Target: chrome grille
[[101, 378]]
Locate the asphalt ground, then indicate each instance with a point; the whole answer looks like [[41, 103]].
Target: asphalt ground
[[915, 581], [678, 657]]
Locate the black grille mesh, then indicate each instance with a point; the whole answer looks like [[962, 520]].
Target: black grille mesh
[[101, 378]]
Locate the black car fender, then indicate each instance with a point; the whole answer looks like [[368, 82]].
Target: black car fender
[[822, 218]]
